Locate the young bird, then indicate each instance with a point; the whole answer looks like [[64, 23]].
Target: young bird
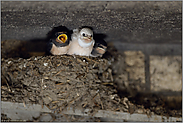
[[59, 40], [82, 42], [99, 48]]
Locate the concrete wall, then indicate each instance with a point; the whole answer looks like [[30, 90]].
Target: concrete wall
[[126, 22]]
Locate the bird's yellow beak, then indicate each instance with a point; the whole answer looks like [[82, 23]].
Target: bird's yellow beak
[[62, 38], [88, 38]]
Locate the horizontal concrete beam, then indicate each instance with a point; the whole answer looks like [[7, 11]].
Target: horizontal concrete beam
[[127, 22], [151, 49], [20, 111]]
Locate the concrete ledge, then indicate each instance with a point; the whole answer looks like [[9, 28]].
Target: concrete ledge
[[17, 111], [22, 112]]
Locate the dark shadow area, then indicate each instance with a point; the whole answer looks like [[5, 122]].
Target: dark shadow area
[[158, 102], [147, 73], [154, 99], [27, 49], [23, 49]]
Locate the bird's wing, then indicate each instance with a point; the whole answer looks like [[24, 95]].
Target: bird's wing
[[75, 30], [74, 34]]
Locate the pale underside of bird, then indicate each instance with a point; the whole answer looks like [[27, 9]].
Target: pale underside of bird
[[82, 42], [59, 50]]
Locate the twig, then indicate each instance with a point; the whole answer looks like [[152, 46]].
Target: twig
[[67, 96], [49, 98], [48, 107], [64, 105], [117, 109], [96, 104], [83, 74], [61, 99], [74, 99], [42, 103], [110, 72], [24, 103], [7, 84], [115, 101], [58, 72], [91, 60], [42, 93], [54, 107], [54, 101], [85, 105], [95, 96], [51, 63], [108, 83], [61, 92], [61, 83], [101, 102]]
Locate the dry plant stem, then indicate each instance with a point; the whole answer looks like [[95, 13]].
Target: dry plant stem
[[101, 102], [8, 86], [58, 72]]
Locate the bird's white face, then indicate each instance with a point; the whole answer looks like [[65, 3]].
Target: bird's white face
[[86, 35]]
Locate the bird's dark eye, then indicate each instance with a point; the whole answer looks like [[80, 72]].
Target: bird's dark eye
[[91, 35], [84, 35]]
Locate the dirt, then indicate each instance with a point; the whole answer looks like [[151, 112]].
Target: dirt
[[66, 81]]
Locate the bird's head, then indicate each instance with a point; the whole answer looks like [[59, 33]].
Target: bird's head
[[86, 35], [101, 48], [60, 39]]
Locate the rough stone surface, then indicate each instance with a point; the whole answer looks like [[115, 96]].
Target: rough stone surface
[[129, 22], [45, 117], [135, 65], [166, 73]]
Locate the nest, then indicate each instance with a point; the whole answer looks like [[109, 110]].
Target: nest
[[60, 82]]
